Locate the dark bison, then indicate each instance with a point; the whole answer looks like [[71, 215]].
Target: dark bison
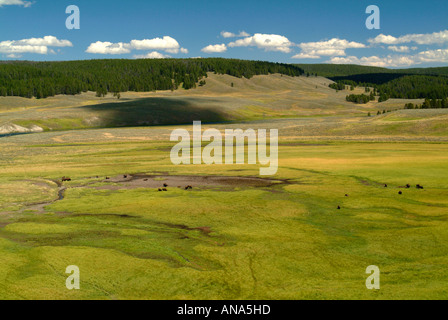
[[339, 207], [400, 192], [66, 179], [165, 185], [419, 187]]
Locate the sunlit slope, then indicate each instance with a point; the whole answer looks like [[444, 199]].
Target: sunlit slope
[[222, 98]]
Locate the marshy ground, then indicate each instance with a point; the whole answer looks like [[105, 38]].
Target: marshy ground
[[233, 235]]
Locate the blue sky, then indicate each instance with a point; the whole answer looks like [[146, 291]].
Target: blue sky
[[413, 33]]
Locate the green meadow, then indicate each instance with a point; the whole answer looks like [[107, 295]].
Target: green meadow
[[283, 238]]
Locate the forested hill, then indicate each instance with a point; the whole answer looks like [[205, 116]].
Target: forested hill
[[44, 79], [345, 70], [417, 83]]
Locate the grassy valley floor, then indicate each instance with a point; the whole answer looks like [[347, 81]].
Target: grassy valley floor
[[233, 235]]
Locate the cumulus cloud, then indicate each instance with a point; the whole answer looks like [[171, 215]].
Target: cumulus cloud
[[33, 45], [399, 48], [333, 47], [430, 56], [23, 3], [305, 56], [108, 48], [422, 39], [439, 55], [389, 61], [49, 41], [268, 42], [214, 48], [167, 44], [14, 56], [151, 55], [226, 34]]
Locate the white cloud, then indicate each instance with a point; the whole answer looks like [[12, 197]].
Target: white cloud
[[305, 56], [430, 56], [14, 56], [333, 47], [268, 42], [151, 55], [33, 45], [422, 39], [439, 55], [389, 61], [26, 4], [166, 43], [108, 48], [226, 34], [49, 41], [399, 49], [215, 48]]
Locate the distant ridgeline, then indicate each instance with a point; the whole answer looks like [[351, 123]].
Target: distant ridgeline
[[45, 79], [419, 83]]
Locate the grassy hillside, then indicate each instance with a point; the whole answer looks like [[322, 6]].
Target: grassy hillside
[[46, 79], [309, 232], [423, 83], [261, 98]]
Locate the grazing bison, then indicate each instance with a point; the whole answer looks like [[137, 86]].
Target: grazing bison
[[107, 178], [125, 176], [339, 207], [400, 192], [408, 186], [419, 187], [66, 179], [145, 179], [385, 186], [165, 185], [188, 187], [160, 190], [346, 195], [164, 189]]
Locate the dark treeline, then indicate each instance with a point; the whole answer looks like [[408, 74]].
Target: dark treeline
[[360, 98], [429, 104], [416, 83], [403, 87], [333, 71], [45, 79]]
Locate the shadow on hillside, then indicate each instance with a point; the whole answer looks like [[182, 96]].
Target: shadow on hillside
[[154, 111], [376, 78]]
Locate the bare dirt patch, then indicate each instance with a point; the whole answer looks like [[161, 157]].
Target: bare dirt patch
[[182, 181]]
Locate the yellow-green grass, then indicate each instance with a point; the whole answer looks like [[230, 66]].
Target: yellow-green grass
[[287, 241], [283, 242], [262, 97]]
